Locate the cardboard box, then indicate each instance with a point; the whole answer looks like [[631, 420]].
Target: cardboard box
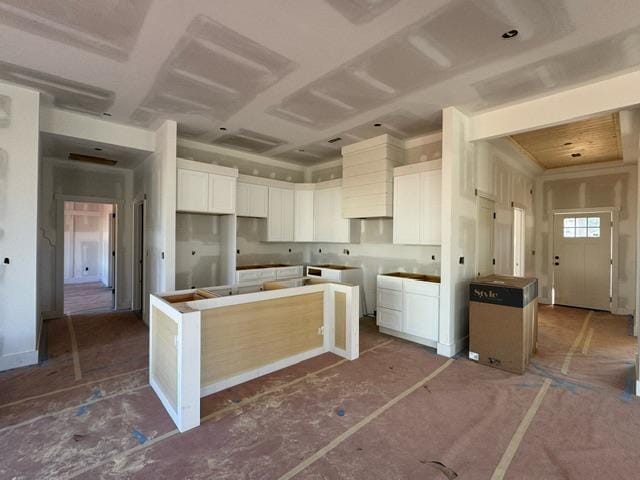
[[503, 321]]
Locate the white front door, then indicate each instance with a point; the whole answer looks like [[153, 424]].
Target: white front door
[[582, 260]]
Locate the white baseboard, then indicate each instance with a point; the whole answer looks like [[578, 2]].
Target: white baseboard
[[258, 372], [450, 350], [15, 360], [411, 338]]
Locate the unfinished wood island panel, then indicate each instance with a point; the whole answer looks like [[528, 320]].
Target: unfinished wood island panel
[[340, 307], [165, 369], [244, 337], [200, 345]]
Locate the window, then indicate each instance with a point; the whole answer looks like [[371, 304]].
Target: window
[[581, 227]]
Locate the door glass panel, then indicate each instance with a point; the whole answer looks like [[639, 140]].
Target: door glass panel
[[594, 221], [593, 232], [581, 232], [581, 222], [569, 232], [569, 222]]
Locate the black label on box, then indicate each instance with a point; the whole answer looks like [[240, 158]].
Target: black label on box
[[503, 295]]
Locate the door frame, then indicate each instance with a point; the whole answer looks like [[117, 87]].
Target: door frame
[[614, 211], [491, 198], [138, 229], [59, 262]]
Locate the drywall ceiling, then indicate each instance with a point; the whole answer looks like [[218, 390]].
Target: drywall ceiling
[[593, 140], [59, 146], [284, 77]]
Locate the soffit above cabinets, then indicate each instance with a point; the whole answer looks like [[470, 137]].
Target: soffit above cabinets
[[593, 140], [293, 78]]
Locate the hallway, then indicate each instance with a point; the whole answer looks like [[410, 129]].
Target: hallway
[[87, 297], [326, 418]]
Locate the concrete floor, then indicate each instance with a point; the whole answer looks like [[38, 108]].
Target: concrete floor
[[86, 297], [372, 418]]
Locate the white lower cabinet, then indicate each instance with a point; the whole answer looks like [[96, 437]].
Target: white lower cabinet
[[409, 309]]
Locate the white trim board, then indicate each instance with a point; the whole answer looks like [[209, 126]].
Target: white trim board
[[21, 359]]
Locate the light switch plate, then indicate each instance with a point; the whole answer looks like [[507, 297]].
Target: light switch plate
[[474, 356]]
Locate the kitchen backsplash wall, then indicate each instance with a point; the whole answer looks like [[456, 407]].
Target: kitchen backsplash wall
[[376, 254], [250, 232], [198, 241]]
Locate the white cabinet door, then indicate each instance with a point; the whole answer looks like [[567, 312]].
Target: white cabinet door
[[430, 203], [222, 194], [406, 209], [340, 229], [274, 218], [258, 200], [193, 191], [389, 318], [421, 315], [324, 214], [304, 216], [280, 218], [287, 215], [242, 200]]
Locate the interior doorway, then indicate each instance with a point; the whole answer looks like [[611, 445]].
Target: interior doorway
[[583, 259], [485, 259], [518, 242], [89, 256]]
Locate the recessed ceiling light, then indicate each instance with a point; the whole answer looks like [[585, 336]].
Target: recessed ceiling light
[[301, 149], [576, 155], [97, 149], [377, 124], [106, 114], [510, 34], [334, 140], [568, 143], [223, 129]]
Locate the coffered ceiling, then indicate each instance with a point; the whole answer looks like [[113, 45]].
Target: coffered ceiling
[[297, 80]]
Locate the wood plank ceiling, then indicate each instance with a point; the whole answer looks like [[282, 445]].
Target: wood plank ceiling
[[593, 140]]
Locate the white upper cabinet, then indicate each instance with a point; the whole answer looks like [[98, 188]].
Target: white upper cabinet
[[417, 201], [304, 213], [330, 225], [222, 194], [252, 200], [280, 215], [205, 188], [193, 191]]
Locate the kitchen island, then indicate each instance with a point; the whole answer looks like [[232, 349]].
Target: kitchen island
[[205, 340]]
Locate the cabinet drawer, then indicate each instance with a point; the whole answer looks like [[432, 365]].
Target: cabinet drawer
[[422, 288], [267, 274], [390, 283], [248, 275], [389, 318], [389, 299], [288, 272]]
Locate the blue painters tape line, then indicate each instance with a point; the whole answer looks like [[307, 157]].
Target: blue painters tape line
[[340, 412], [139, 436], [82, 410]]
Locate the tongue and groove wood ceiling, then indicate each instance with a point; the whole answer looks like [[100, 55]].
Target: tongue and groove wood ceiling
[[283, 77], [594, 140]]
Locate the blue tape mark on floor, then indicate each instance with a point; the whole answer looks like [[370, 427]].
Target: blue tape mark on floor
[[82, 410], [558, 380], [139, 436], [629, 386], [97, 393], [340, 412]]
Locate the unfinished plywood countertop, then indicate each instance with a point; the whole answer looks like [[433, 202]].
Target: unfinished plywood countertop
[[415, 276]]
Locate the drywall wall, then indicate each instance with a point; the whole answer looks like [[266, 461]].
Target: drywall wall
[[64, 180], [251, 249], [155, 180], [377, 254], [602, 187], [86, 242], [19, 171]]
